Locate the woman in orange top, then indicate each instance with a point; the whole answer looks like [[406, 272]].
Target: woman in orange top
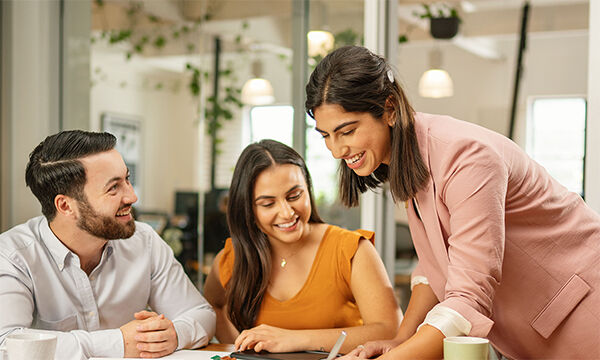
[[286, 281]]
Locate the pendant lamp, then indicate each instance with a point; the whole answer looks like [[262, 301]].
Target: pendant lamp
[[436, 83], [257, 91], [320, 42]]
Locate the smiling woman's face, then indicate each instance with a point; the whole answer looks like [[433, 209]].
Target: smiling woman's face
[[360, 139], [282, 203]]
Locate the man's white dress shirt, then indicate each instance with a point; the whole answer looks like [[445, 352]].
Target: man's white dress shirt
[[42, 286]]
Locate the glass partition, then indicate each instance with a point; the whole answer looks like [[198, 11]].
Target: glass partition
[[200, 80]]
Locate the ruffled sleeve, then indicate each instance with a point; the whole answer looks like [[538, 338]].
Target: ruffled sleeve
[[348, 244], [226, 263]]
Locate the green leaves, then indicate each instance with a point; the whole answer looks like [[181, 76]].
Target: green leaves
[[117, 36], [194, 84], [346, 37], [159, 42], [148, 30]]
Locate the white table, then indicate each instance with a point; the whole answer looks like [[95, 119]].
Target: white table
[[201, 354]]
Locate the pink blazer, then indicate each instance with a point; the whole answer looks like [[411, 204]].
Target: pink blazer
[[505, 245]]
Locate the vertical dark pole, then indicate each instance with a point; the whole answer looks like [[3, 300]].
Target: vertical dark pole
[[214, 120], [522, 46], [299, 72]]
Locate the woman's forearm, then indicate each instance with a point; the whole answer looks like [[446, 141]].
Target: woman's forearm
[[324, 339], [422, 300], [427, 343], [226, 333]]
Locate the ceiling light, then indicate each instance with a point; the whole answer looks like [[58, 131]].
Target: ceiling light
[[320, 42], [257, 91], [435, 82]]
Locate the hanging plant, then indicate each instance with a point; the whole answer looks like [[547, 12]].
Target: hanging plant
[[138, 38], [443, 20]]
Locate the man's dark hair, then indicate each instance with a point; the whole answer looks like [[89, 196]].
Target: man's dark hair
[[54, 167]]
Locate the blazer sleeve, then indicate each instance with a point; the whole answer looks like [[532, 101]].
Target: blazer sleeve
[[474, 186]]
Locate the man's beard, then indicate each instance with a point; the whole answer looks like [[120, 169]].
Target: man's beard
[[104, 227]]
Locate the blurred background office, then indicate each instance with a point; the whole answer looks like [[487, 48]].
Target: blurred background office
[[185, 85]]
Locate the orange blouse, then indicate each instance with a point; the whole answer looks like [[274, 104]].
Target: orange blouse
[[325, 300]]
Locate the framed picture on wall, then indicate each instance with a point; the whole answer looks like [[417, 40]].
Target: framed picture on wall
[[128, 131]]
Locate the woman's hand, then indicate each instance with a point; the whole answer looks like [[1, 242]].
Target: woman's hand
[[371, 349], [269, 338]]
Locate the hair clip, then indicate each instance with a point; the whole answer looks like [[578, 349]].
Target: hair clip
[[390, 76]]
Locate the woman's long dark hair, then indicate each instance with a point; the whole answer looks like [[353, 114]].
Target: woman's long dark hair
[[360, 81], [252, 267]]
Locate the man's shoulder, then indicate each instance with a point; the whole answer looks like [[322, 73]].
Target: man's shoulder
[[20, 237], [145, 243], [144, 232]]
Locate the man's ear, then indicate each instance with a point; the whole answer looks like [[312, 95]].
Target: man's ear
[[65, 205]]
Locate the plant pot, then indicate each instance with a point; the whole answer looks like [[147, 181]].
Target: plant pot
[[443, 28]]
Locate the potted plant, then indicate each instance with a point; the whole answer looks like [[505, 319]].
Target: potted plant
[[443, 20]]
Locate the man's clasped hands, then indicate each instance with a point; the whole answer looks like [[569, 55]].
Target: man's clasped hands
[[150, 335]]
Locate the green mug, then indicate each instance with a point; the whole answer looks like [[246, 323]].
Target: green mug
[[466, 348]]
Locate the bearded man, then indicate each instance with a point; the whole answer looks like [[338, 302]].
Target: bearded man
[[106, 285]]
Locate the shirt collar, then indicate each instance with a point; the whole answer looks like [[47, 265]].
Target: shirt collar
[[58, 250]]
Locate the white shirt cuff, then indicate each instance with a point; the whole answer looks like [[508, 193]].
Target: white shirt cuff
[[416, 280], [188, 336], [183, 331], [448, 321], [107, 343]]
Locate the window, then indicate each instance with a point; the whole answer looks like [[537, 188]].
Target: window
[[272, 122], [556, 138], [322, 165], [276, 122]]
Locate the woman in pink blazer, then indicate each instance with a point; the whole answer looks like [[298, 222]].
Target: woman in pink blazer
[[505, 251]]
